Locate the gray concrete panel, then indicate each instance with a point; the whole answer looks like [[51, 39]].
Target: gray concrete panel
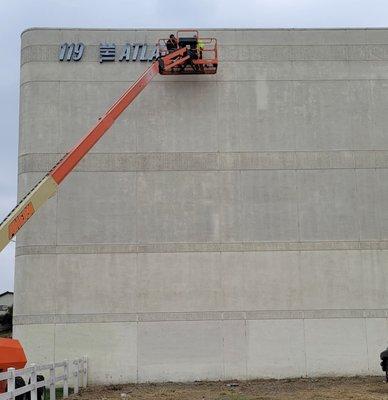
[[235, 349], [104, 216], [375, 278], [177, 207], [368, 206], [327, 205], [179, 282], [336, 347], [164, 353], [269, 205], [181, 116], [339, 275], [255, 116], [35, 292], [376, 37], [37, 342], [382, 198], [251, 281], [320, 115], [275, 349], [39, 117], [360, 115], [80, 277], [259, 205], [379, 102], [114, 349]]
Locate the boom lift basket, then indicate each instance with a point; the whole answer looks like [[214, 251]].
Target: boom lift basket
[[193, 55]]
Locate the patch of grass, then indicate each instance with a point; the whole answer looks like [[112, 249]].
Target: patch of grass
[[58, 393], [233, 396]]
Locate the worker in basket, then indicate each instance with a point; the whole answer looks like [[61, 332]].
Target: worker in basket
[[200, 47], [172, 43]]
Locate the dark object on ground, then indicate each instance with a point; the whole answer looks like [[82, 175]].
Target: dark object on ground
[[384, 362], [40, 396], [19, 382]]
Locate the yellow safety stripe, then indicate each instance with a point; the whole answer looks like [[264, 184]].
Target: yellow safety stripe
[[26, 208]]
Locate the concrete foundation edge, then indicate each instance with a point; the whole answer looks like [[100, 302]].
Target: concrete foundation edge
[[212, 350]]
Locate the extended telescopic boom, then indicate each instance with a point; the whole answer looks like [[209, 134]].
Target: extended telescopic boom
[[48, 185], [184, 59]]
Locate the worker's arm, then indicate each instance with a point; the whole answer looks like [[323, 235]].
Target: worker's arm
[[48, 185]]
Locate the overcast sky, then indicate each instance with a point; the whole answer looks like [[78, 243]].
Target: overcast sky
[[17, 15]]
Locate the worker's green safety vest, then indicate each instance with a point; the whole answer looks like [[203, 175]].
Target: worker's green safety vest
[[200, 45]]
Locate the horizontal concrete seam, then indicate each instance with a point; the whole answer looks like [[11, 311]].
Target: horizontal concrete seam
[[193, 247], [235, 61], [290, 61], [213, 152], [204, 170], [221, 45], [208, 81], [213, 161], [200, 316]]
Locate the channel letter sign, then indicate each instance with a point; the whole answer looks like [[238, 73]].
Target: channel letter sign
[[109, 52]]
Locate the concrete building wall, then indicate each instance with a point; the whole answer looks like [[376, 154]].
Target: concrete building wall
[[228, 226]]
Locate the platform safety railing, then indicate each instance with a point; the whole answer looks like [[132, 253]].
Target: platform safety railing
[[73, 373], [208, 52]]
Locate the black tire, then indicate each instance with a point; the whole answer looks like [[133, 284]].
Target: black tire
[[40, 395], [19, 382]]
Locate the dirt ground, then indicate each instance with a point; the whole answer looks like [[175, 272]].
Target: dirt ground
[[356, 388]]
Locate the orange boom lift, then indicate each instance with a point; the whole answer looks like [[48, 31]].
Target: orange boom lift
[[11, 355], [187, 58], [191, 55]]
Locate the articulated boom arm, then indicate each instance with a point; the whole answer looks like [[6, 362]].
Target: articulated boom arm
[[48, 185], [172, 62]]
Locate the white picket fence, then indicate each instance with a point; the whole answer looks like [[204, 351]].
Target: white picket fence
[[74, 373]]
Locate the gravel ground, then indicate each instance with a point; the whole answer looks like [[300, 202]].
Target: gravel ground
[[356, 388]]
